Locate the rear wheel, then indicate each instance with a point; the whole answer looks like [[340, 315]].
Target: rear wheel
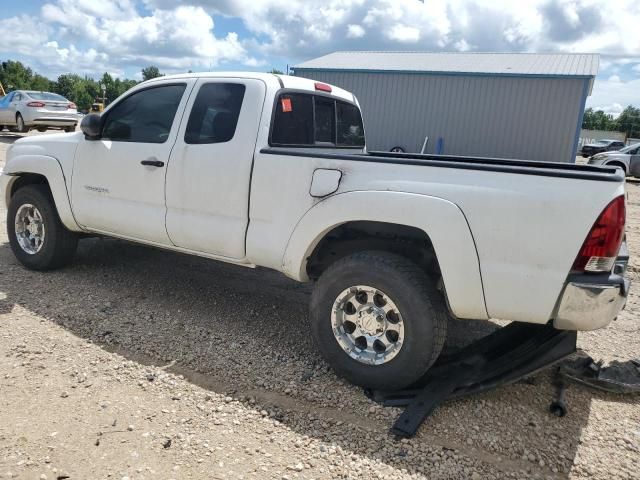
[[20, 126], [70, 129], [378, 320], [37, 237]]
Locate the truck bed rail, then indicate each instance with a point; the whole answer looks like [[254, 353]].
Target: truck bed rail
[[519, 167]]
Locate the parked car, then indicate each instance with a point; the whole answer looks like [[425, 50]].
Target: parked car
[[268, 170], [22, 110], [628, 159], [600, 146]]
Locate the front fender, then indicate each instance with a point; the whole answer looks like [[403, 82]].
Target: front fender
[[441, 220], [49, 168]]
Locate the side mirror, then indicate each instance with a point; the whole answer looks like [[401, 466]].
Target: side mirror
[[90, 126]]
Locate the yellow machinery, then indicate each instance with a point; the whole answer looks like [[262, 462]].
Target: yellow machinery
[[97, 107], [2, 92]]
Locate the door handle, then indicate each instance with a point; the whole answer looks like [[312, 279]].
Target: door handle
[[152, 162]]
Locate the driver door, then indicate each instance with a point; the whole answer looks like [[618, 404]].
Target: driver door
[[118, 181]]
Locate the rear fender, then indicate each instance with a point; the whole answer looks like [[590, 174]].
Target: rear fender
[[49, 168], [441, 220]]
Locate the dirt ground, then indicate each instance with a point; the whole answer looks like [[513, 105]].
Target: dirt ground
[[136, 363]]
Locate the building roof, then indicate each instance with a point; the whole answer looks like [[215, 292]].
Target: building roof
[[519, 64]]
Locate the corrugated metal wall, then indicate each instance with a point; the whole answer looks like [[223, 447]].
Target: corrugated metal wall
[[497, 116]]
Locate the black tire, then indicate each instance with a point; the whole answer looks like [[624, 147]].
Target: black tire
[[70, 129], [20, 126], [42, 129], [59, 245], [421, 305], [397, 149], [617, 164]]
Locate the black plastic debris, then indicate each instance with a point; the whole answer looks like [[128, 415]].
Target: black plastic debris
[[614, 377], [505, 356]]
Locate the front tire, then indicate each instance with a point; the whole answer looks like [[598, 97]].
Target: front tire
[[378, 320], [37, 237], [70, 129]]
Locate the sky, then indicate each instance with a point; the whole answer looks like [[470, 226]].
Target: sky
[[123, 36]]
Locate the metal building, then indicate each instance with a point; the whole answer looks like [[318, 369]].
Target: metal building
[[509, 105]]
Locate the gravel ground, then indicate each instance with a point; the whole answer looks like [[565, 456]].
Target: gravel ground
[[138, 363]]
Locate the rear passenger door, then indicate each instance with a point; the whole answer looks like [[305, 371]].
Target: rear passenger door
[[209, 172]]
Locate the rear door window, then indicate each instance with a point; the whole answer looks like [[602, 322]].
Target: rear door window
[[215, 112], [303, 119]]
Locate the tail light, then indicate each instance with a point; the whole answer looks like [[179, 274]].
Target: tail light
[[72, 105], [600, 249], [35, 104], [323, 87]]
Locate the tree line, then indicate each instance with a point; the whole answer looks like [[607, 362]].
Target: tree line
[[83, 91], [628, 121]]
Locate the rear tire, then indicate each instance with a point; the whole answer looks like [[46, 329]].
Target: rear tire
[[20, 126], [70, 129], [420, 307], [55, 246]]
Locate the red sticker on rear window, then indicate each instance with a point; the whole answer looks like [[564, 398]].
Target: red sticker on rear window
[[286, 105]]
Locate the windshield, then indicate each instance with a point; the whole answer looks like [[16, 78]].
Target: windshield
[[47, 96], [629, 148], [603, 142]]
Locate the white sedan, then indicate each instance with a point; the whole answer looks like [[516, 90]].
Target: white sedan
[[628, 159], [22, 110]]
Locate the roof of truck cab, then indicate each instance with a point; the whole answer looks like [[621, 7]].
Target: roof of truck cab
[[284, 81]]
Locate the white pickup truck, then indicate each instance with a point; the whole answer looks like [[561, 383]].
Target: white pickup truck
[[268, 170]]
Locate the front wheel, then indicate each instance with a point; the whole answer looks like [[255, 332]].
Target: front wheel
[[70, 129], [37, 237], [378, 320]]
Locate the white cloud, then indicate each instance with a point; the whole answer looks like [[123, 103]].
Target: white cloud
[[355, 31], [462, 45], [90, 36], [608, 93], [404, 33], [118, 35], [614, 109]]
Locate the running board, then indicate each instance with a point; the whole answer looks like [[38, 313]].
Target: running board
[[505, 356]]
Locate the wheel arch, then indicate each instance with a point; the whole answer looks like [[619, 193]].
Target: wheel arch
[[40, 169], [440, 222], [618, 163]]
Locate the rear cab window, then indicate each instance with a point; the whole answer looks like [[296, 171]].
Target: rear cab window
[[312, 120]]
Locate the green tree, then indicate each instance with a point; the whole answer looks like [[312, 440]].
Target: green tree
[[150, 72], [15, 76], [42, 84], [276, 71], [629, 122], [598, 120]]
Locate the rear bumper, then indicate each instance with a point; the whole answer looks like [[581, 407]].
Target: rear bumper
[[589, 302], [53, 121]]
